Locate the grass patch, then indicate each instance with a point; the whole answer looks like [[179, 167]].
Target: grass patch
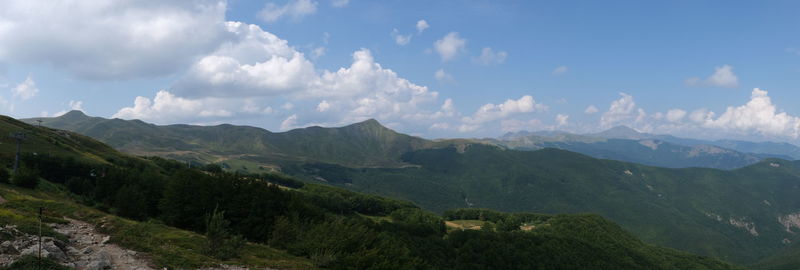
[[166, 246], [465, 224]]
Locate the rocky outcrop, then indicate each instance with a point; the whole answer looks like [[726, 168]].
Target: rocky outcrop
[[85, 250], [790, 221]]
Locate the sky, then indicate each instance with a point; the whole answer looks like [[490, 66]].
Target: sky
[[700, 69]]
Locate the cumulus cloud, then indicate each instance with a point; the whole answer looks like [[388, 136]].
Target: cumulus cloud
[[25, 90], [562, 120], [293, 9], [759, 115], [675, 115], [622, 111], [591, 110], [167, 107], [255, 63], [560, 70], [450, 46], [318, 52], [290, 122], [443, 76], [323, 106], [111, 40], [490, 57], [401, 40], [490, 112], [421, 26], [723, 77]]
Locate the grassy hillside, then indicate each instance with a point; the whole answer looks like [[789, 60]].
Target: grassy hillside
[[166, 246], [729, 214]]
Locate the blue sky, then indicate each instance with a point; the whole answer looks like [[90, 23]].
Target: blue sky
[[710, 69]]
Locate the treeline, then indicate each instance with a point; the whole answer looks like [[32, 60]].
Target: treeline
[[339, 229]]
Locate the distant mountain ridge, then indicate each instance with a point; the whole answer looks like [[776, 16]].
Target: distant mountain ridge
[[765, 149], [363, 144], [626, 144]]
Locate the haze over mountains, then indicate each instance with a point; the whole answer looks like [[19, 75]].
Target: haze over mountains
[[626, 144], [741, 215]]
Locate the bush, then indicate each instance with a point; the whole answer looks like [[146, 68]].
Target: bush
[[25, 177], [220, 243]]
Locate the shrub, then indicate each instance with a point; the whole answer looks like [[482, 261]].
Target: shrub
[[25, 177], [221, 244]]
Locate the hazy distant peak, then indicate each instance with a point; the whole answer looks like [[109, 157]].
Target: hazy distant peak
[[623, 132], [74, 114]]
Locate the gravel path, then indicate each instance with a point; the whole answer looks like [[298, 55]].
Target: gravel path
[[88, 249]]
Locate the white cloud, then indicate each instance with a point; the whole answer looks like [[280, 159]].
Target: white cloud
[[318, 52], [73, 105], [675, 115], [700, 116], [443, 76], [491, 112], [759, 115], [288, 106], [290, 122], [723, 77], [400, 39], [591, 110], [560, 70], [622, 111], [326, 37], [25, 90], [323, 106], [562, 120], [293, 9], [255, 63], [110, 40], [340, 3], [490, 57], [450, 46], [421, 26], [166, 107]]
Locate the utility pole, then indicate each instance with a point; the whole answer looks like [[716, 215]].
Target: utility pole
[[39, 262], [19, 136]]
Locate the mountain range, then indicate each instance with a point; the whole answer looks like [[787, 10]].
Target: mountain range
[[626, 144], [741, 215], [83, 182]]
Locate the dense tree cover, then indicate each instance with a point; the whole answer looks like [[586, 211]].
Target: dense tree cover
[[340, 229]]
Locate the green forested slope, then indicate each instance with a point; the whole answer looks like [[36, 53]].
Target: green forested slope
[[730, 214]]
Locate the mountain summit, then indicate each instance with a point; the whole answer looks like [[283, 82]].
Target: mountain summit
[[621, 132]]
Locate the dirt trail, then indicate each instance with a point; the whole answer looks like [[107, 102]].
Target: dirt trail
[[88, 249]]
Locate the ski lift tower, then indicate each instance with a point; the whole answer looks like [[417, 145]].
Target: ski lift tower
[[19, 137]]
